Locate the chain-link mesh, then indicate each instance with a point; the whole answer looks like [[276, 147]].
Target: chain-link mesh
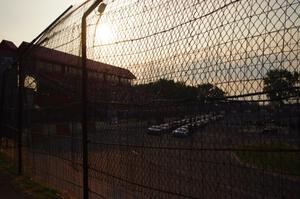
[[8, 113], [186, 99]]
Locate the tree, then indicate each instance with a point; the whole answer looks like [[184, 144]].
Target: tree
[[170, 90], [208, 92], [280, 84]]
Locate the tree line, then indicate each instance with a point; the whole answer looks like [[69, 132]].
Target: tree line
[[171, 90], [279, 85]]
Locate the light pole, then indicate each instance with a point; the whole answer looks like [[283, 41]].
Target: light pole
[[84, 100]]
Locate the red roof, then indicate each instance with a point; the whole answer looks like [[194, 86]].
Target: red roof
[[54, 56], [8, 48]]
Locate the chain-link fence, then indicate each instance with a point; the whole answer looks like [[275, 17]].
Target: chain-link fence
[[9, 112], [185, 99]]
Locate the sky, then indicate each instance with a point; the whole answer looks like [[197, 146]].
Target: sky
[[206, 42], [23, 20]]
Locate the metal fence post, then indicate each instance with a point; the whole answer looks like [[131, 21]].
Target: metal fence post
[[2, 101], [20, 113], [23, 54], [84, 99]]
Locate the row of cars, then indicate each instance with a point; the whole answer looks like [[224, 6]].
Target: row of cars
[[184, 127]]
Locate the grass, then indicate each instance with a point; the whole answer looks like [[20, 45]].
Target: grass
[[268, 157], [25, 184], [6, 166]]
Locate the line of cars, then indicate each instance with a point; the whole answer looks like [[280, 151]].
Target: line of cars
[[184, 127]]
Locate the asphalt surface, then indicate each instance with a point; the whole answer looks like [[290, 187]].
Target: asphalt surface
[[127, 163]]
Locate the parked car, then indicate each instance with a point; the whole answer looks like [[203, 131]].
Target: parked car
[[269, 130], [182, 131], [155, 130], [159, 129]]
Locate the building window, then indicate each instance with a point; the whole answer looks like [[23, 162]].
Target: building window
[[57, 68], [92, 74], [122, 80], [30, 83], [100, 76], [115, 79], [48, 67], [74, 71], [39, 65], [108, 78]]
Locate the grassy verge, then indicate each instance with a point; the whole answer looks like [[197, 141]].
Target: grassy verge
[[268, 157], [30, 188]]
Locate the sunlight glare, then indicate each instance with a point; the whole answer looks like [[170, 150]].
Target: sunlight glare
[[104, 34]]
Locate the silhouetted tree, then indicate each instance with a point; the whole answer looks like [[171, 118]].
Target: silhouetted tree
[[208, 92], [168, 89], [280, 84]]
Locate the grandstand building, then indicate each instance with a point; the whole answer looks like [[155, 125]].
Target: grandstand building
[[8, 78], [58, 74], [8, 52], [53, 86]]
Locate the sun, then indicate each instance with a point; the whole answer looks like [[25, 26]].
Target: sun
[[104, 33]]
